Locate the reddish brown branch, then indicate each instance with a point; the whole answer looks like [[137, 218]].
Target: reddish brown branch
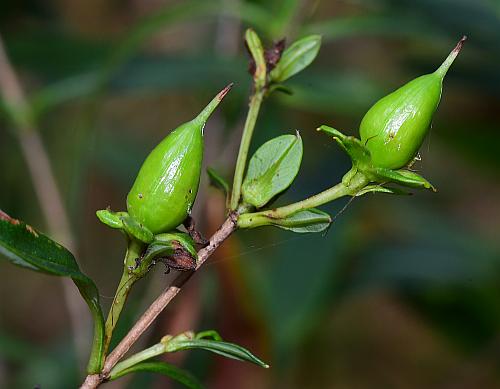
[[93, 381]]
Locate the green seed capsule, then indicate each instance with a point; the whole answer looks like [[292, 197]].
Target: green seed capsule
[[166, 186], [395, 127]]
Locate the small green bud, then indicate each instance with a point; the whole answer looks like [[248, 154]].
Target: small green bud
[[166, 186], [395, 127]]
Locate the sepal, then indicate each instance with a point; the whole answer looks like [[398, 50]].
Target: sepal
[[362, 162], [126, 223]]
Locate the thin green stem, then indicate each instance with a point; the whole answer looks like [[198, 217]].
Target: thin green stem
[[128, 279], [251, 220], [253, 113], [143, 355]]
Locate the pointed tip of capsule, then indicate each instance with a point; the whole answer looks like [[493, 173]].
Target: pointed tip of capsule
[[459, 45], [225, 91], [441, 71], [209, 109]]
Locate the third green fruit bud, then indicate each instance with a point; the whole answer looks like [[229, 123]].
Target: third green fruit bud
[[166, 186], [395, 127]]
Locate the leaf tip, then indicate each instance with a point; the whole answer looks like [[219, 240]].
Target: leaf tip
[[317, 37]]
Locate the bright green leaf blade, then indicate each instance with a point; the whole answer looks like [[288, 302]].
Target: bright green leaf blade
[[296, 58], [228, 350], [217, 180], [272, 169], [22, 245], [166, 369]]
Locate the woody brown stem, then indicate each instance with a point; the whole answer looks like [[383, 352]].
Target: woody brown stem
[[94, 380]]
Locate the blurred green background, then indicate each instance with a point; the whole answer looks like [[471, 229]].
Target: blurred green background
[[403, 292]]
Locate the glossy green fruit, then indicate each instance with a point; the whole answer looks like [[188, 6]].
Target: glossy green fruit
[[395, 127], [166, 186]]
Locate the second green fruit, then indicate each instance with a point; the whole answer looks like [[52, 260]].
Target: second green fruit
[[395, 127]]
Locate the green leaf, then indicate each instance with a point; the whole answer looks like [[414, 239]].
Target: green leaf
[[296, 58], [22, 245], [217, 180], [307, 220], [166, 369], [272, 169], [228, 350], [185, 341]]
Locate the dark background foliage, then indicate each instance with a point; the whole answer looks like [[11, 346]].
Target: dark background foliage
[[403, 292]]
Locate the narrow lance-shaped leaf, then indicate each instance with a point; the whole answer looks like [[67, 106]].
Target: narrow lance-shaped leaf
[[166, 369], [206, 340], [307, 220], [272, 169], [228, 350], [22, 245], [296, 58]]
